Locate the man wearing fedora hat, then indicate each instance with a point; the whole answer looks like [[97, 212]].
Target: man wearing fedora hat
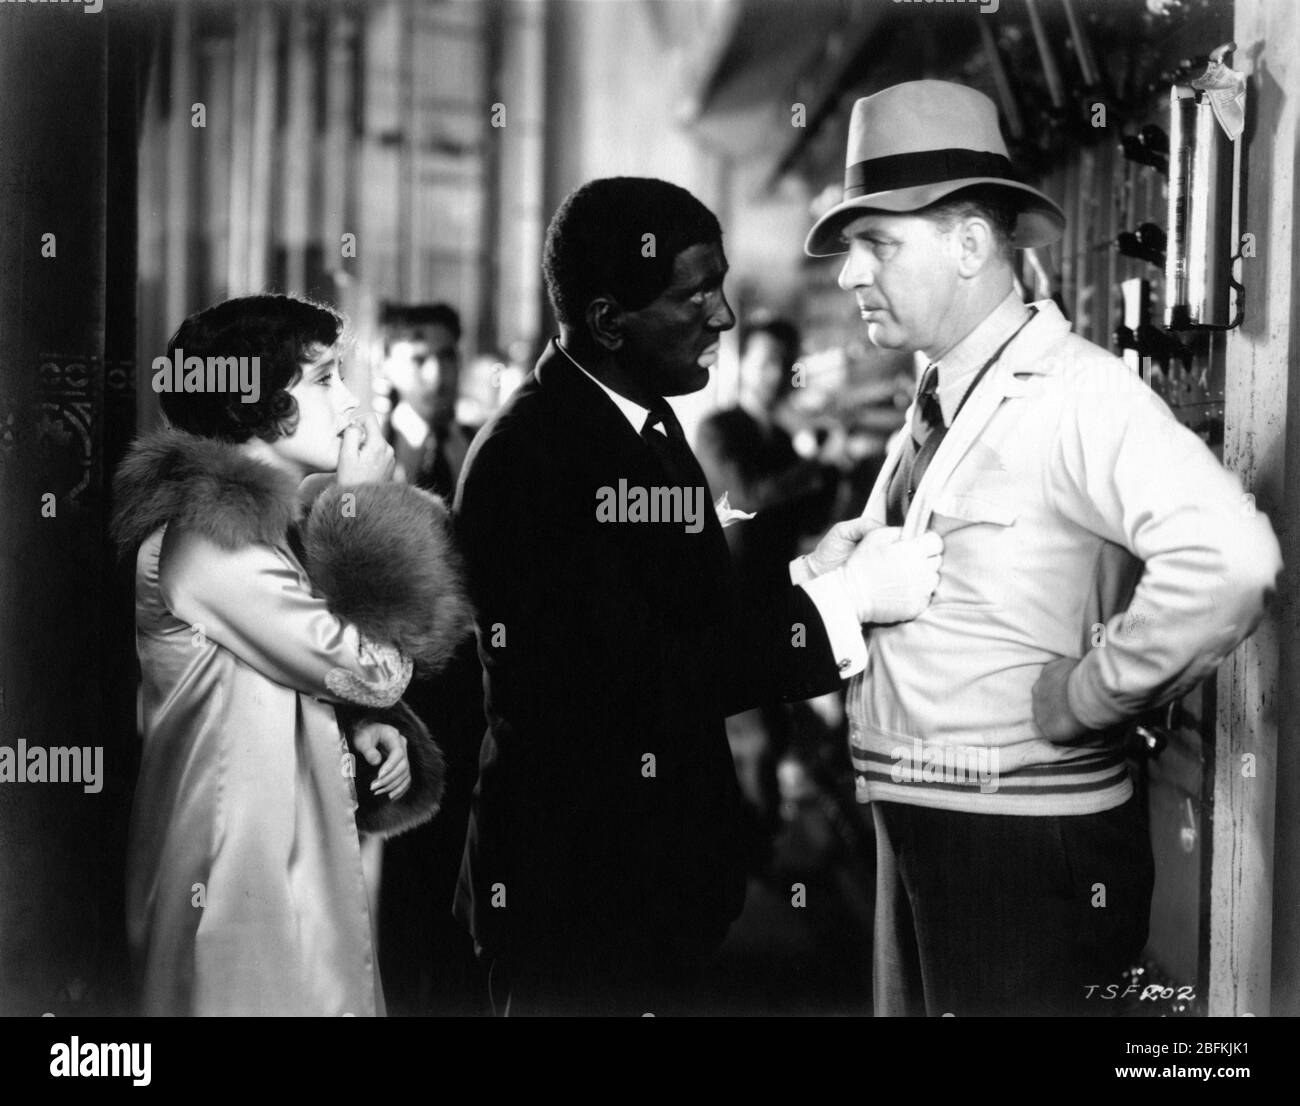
[[1099, 561]]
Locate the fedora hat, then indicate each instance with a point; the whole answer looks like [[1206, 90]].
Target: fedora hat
[[915, 143]]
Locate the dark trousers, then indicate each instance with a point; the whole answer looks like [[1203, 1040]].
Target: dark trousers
[[999, 914], [427, 959]]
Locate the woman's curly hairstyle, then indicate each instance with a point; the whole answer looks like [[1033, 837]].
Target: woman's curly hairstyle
[[282, 332]]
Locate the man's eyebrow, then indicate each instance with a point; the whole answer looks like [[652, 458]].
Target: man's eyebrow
[[705, 281]]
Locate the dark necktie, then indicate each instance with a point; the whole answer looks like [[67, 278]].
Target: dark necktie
[[670, 449], [435, 470], [925, 433], [707, 558], [928, 430]]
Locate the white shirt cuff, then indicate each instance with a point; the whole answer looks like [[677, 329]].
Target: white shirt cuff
[[801, 571], [843, 630]]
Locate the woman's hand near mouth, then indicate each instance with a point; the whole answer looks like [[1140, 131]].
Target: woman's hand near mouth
[[364, 456]]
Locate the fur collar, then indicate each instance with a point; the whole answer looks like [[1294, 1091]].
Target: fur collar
[[382, 555], [200, 483], [383, 559]]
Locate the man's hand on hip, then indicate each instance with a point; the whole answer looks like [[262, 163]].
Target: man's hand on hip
[[1052, 713]]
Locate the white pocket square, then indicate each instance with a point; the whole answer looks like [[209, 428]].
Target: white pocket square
[[727, 514]]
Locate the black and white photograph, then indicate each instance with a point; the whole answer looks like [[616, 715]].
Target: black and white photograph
[[650, 508]]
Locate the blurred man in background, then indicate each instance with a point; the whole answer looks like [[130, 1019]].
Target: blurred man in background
[[748, 452], [427, 960], [422, 361]]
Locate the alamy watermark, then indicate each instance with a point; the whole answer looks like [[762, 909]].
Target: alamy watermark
[[987, 7], [91, 7], [633, 503], [37, 764], [179, 373], [959, 764], [91, 1060]]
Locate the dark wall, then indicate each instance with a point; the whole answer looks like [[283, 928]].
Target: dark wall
[[67, 323]]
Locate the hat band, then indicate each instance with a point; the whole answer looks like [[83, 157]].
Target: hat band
[[884, 174]]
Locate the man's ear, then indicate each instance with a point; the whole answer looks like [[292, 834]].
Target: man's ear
[[977, 245], [605, 322]]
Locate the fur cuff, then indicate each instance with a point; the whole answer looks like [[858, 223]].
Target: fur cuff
[[378, 814], [385, 560]]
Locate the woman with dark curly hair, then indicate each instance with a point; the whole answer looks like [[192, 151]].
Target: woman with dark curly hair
[[274, 647]]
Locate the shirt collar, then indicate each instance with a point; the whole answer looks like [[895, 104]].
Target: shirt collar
[[967, 357], [416, 430], [407, 421], [632, 411]]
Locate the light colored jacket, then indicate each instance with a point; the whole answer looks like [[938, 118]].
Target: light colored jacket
[[1080, 520]]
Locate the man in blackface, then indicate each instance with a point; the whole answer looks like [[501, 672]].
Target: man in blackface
[[604, 862]]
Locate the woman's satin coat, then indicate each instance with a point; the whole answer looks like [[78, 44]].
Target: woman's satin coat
[[244, 891]]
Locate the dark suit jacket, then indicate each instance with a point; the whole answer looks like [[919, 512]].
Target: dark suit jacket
[[427, 477], [603, 644]]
